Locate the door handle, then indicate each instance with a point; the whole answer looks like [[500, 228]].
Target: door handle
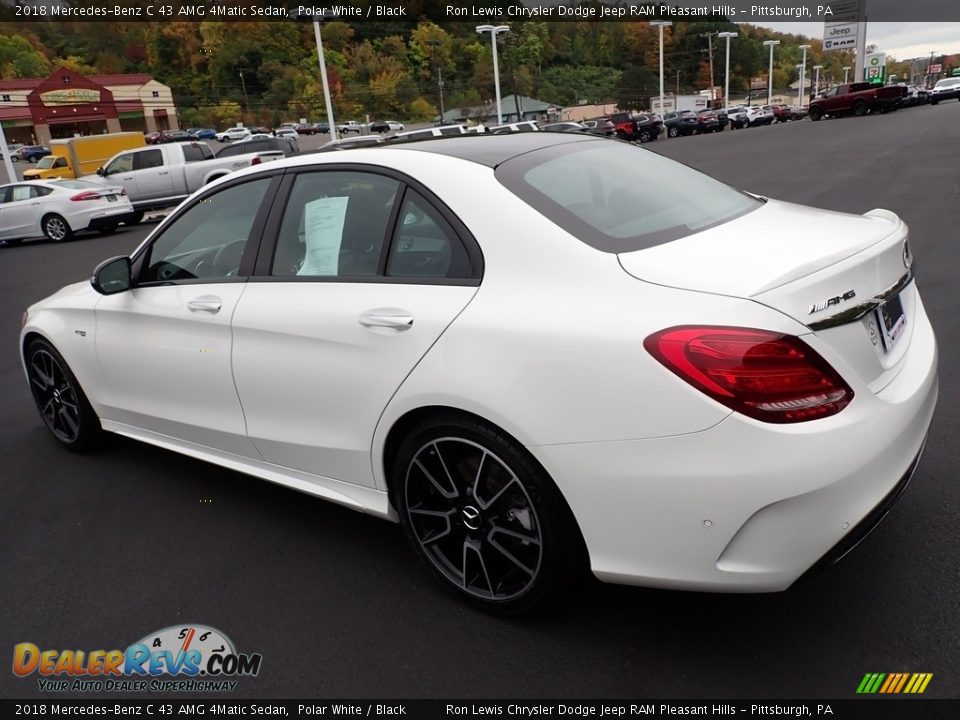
[[165, 172], [396, 322], [34, 204], [205, 303], [128, 177]]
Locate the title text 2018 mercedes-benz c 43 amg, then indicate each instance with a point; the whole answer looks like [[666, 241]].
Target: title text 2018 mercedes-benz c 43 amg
[[536, 351]]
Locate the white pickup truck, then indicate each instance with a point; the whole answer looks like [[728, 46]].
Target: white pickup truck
[[158, 177]]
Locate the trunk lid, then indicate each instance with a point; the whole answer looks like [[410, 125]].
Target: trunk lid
[[824, 269]]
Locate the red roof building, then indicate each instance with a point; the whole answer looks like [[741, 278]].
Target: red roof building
[[36, 110]]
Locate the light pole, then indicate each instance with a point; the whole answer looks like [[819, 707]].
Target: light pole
[[803, 72], [661, 24], [323, 79], [846, 73], [317, 17], [7, 162], [495, 30], [246, 100], [771, 44], [726, 74], [816, 83]]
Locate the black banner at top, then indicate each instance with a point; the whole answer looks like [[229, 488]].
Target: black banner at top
[[161, 708], [442, 11]]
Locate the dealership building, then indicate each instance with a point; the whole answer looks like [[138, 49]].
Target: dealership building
[[36, 110]]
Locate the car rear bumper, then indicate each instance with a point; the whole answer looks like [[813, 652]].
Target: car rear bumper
[[110, 218], [747, 506]]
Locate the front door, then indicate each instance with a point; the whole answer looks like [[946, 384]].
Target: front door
[[165, 345]]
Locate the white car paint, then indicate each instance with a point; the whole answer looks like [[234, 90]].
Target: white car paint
[[667, 486], [22, 209], [231, 134]]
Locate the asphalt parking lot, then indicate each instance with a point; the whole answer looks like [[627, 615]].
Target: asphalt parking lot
[[98, 550]]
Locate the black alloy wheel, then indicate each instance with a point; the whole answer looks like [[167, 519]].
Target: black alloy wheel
[[483, 515], [63, 406]]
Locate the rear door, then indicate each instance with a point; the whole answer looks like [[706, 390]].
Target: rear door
[[363, 275]]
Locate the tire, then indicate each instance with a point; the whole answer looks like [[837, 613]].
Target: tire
[[33, 158], [816, 113], [108, 229], [646, 136], [860, 108], [934, 102], [55, 228], [483, 515], [672, 131], [59, 398], [134, 219]]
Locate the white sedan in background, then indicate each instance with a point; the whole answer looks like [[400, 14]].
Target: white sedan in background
[[58, 209], [713, 395]]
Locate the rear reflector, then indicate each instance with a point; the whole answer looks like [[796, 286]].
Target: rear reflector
[[87, 195], [768, 376]]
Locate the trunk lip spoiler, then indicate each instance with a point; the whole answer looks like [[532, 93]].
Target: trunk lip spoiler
[[865, 308]]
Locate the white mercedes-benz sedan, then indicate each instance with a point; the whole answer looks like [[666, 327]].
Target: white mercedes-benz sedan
[[538, 352]]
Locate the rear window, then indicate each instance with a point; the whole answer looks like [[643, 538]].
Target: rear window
[[620, 198]]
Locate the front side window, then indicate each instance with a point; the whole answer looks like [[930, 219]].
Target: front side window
[[335, 225], [619, 199], [207, 241], [120, 164]]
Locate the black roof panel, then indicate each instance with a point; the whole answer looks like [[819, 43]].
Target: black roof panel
[[493, 149]]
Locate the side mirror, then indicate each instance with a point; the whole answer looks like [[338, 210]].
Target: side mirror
[[101, 172], [112, 276]]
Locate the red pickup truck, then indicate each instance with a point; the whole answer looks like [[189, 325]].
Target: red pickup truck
[[858, 98]]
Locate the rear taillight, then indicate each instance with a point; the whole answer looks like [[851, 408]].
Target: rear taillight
[[256, 160], [768, 376], [86, 195]]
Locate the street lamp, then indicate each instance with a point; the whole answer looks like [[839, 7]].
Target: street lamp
[[771, 44], [246, 100], [317, 17], [726, 75], [661, 24], [495, 30], [816, 83], [803, 72], [846, 73]]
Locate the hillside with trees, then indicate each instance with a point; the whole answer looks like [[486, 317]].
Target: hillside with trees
[[391, 69]]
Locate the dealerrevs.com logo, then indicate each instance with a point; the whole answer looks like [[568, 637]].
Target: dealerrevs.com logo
[[191, 658]]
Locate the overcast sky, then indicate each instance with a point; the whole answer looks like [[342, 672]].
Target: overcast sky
[[902, 40]]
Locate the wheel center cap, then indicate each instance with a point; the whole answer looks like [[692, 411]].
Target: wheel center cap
[[56, 396], [471, 517]]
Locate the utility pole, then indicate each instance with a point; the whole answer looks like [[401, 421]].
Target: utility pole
[[661, 24], [709, 37], [435, 44], [246, 100], [677, 95]]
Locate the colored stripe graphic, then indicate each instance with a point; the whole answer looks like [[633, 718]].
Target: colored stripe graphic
[[894, 683]]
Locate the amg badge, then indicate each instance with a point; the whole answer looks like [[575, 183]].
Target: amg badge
[[835, 300]]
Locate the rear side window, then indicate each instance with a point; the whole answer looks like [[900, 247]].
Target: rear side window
[[424, 244], [193, 153], [147, 159], [335, 224], [619, 198]]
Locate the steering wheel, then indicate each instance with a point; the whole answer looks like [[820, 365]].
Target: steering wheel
[[223, 265]]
